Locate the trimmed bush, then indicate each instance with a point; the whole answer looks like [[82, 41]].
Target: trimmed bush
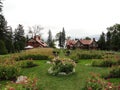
[[114, 73], [33, 57], [27, 64], [55, 52], [8, 72], [89, 56], [67, 53], [104, 63]]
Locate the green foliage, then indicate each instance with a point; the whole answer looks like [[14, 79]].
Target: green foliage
[[113, 37], [0, 6], [19, 39], [27, 64], [101, 42], [89, 56], [50, 41], [114, 73], [62, 66], [79, 56], [96, 83], [3, 49], [33, 57], [56, 52], [104, 63], [61, 37], [8, 72], [27, 84]]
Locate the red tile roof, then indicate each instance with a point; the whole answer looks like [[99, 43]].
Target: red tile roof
[[71, 42], [86, 42]]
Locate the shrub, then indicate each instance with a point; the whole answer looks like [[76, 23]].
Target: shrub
[[114, 73], [27, 84], [33, 57], [67, 53], [104, 63], [27, 64], [89, 56], [9, 72], [56, 52], [64, 66], [97, 83]]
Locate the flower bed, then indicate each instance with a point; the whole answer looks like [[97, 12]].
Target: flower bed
[[62, 66]]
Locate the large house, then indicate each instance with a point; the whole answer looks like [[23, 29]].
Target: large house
[[36, 42], [82, 44]]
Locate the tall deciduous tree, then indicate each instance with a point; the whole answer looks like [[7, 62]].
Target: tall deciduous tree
[[114, 32], [19, 39], [36, 30]]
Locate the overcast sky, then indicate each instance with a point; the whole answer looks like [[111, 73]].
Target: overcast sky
[[80, 18]]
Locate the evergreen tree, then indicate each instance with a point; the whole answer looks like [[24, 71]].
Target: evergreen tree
[[101, 42], [19, 39], [3, 49], [3, 31], [9, 40], [60, 40], [0, 6], [50, 41], [108, 40], [63, 37]]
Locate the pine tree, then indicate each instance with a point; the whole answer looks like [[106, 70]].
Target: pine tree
[[19, 39], [63, 37], [3, 49], [60, 40], [0, 6], [50, 41], [108, 40], [101, 42]]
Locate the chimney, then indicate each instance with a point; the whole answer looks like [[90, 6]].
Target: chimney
[[93, 39]]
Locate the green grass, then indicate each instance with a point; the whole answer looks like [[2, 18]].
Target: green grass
[[70, 82]]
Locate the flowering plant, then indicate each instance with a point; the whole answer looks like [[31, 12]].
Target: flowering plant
[[62, 66]]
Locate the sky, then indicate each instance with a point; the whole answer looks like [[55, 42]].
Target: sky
[[80, 18]]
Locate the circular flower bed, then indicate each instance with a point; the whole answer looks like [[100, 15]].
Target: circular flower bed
[[62, 66]]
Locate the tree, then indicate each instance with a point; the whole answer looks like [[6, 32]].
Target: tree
[[3, 49], [87, 38], [1, 6], [50, 41], [36, 30], [9, 40], [60, 40], [114, 35], [3, 25], [19, 39], [108, 40], [101, 42], [63, 37]]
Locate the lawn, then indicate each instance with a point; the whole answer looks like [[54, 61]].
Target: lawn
[[70, 82]]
